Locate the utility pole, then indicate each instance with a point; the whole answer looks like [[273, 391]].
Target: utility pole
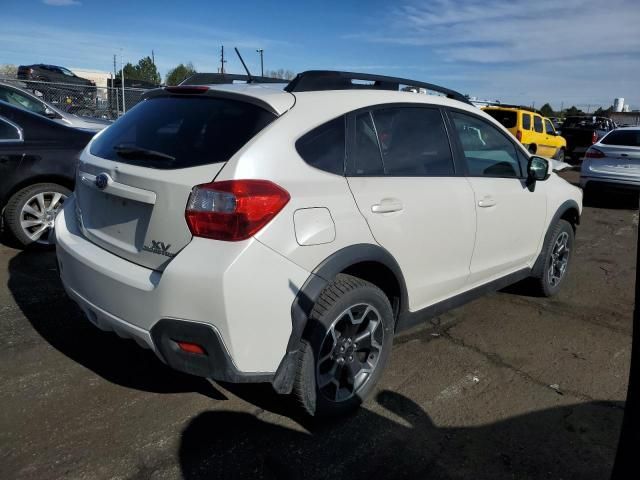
[[261, 52], [124, 108], [222, 60], [115, 70], [153, 58]]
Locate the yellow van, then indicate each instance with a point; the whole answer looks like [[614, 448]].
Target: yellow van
[[532, 130]]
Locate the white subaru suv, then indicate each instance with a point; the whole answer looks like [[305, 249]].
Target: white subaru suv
[[255, 233]]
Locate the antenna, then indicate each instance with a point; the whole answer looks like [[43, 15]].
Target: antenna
[[249, 77]]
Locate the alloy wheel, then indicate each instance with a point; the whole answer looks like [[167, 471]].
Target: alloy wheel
[[38, 215], [350, 352], [558, 260]]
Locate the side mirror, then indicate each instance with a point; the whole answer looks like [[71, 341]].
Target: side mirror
[[538, 169], [50, 113]]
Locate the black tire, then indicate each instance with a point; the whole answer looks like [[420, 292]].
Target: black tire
[[345, 294], [543, 279], [560, 155], [15, 206], [532, 148]]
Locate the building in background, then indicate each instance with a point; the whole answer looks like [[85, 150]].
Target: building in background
[[99, 77], [618, 104], [626, 118]]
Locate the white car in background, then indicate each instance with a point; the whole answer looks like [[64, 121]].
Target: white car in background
[[614, 161], [251, 234]]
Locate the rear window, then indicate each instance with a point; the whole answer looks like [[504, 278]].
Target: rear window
[[179, 132], [626, 138], [507, 118]]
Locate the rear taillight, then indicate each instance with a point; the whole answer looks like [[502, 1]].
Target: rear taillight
[[519, 135], [594, 137], [235, 209], [594, 153]]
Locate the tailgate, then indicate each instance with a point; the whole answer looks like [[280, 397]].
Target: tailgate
[[135, 177]]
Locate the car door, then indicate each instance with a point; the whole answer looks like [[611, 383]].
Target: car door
[[11, 154], [539, 136], [510, 216], [417, 203], [551, 139]]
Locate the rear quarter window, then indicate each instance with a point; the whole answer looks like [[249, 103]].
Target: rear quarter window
[[184, 131], [324, 146]]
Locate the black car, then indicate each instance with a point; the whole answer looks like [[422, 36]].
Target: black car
[[37, 167], [583, 131], [61, 87]]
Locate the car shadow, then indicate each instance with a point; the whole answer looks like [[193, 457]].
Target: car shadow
[[398, 439], [36, 289], [610, 199]]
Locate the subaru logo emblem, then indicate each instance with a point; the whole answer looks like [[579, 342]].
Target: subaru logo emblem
[[102, 180]]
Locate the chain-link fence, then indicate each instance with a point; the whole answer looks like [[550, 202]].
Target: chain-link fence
[[84, 100]]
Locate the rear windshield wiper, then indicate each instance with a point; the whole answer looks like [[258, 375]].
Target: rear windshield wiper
[[133, 151]]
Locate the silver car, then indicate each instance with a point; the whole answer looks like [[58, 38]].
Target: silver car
[[613, 161], [23, 99]]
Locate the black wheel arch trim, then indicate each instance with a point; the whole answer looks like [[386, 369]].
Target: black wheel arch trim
[[562, 209], [310, 291]]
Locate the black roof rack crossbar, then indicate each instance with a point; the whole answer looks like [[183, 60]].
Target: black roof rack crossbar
[[319, 80], [225, 78]]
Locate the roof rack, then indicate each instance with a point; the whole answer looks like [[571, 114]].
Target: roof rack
[[224, 78], [319, 80], [507, 105]]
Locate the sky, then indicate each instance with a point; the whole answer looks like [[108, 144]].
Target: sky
[[568, 52]]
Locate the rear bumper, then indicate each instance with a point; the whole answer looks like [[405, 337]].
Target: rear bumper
[[610, 182], [233, 298]]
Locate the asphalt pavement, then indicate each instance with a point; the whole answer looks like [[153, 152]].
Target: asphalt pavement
[[508, 386]]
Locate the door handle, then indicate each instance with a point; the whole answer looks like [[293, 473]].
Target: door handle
[[387, 205], [487, 202]]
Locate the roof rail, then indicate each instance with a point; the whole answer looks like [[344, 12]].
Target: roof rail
[[223, 78], [319, 80], [508, 105]]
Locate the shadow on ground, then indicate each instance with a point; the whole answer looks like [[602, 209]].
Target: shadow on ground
[[36, 289], [612, 199], [576, 441]]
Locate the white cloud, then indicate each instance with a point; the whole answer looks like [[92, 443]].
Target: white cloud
[[62, 3], [579, 47]]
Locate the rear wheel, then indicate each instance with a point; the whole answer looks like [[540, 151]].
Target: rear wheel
[[560, 155], [346, 346], [556, 258], [30, 213], [533, 148]]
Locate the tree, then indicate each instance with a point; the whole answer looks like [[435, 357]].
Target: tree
[[8, 70], [546, 110], [573, 111], [280, 73], [179, 73], [144, 70], [603, 112]]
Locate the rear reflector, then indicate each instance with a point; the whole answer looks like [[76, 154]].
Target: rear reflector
[[191, 348], [519, 135], [594, 153], [235, 209]]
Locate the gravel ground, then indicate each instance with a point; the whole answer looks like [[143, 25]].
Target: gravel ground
[[509, 386]]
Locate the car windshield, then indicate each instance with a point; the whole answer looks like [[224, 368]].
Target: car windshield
[[627, 138], [181, 132], [507, 118]]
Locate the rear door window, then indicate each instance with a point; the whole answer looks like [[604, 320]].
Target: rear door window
[[179, 132], [507, 118], [413, 142], [324, 146], [526, 121], [365, 154], [537, 124]]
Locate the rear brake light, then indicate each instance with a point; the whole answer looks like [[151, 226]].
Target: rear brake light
[[594, 137], [594, 153], [235, 209], [519, 135], [188, 89]]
